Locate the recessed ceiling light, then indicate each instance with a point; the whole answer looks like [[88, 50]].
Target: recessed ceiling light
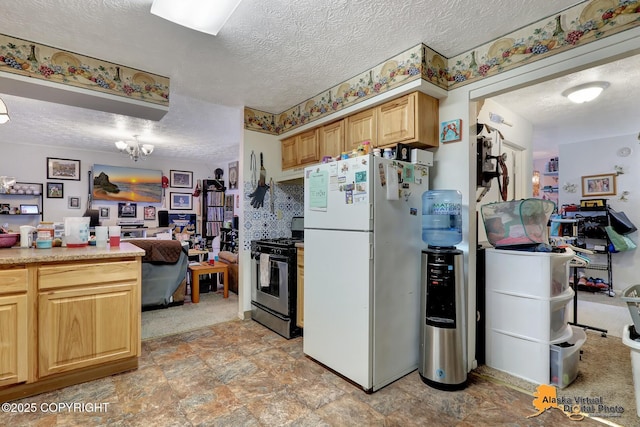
[[586, 92], [206, 16]]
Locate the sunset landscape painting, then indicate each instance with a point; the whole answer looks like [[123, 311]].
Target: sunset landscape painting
[[117, 183]]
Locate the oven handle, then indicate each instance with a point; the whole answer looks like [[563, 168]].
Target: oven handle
[[277, 258]]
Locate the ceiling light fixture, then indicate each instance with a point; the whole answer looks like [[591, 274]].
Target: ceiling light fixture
[[133, 148], [4, 114], [586, 92], [201, 15]]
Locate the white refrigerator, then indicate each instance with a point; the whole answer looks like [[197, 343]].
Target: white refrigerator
[[362, 267]]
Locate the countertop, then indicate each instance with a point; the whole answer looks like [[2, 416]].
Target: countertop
[[299, 245], [17, 255]]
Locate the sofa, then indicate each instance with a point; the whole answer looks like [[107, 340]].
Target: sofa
[[231, 260], [164, 272]]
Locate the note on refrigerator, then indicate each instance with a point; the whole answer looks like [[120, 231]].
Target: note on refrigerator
[[318, 186]]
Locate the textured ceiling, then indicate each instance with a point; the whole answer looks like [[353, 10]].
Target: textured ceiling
[[271, 55], [559, 121]]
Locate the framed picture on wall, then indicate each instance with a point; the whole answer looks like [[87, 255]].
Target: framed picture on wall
[[599, 185], [233, 176], [181, 179], [127, 210], [63, 169], [104, 212], [180, 201], [149, 212], [451, 131], [55, 190], [74, 203]]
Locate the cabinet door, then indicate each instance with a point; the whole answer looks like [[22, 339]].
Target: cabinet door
[[361, 127], [289, 152], [13, 339], [332, 139], [397, 121], [85, 326], [300, 298], [308, 147]]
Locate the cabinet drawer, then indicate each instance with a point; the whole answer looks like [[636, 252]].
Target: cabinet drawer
[[65, 275], [13, 280]]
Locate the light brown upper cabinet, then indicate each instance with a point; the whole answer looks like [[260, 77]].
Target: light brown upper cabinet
[[301, 149], [411, 119], [361, 127], [332, 139], [289, 152]]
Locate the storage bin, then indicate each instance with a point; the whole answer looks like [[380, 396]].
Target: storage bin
[[635, 362], [593, 204], [563, 360], [518, 222], [537, 319], [631, 296], [539, 274]]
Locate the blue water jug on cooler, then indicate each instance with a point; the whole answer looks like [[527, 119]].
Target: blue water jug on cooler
[[442, 218]]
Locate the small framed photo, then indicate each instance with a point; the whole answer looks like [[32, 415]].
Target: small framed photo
[[63, 169], [55, 190], [233, 175], [74, 202], [149, 212], [127, 210], [181, 179], [180, 201], [104, 212], [451, 131], [599, 185], [5, 208]]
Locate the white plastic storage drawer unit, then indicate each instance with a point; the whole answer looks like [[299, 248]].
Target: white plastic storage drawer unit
[[537, 274], [537, 319], [527, 295]]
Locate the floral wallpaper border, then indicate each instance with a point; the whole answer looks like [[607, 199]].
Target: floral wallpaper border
[[577, 25], [43, 62]]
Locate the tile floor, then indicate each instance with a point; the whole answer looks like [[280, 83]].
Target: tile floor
[[239, 373]]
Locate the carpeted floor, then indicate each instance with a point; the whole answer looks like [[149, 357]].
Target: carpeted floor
[[211, 309], [604, 373]]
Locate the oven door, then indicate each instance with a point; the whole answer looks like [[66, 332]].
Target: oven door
[[270, 283]]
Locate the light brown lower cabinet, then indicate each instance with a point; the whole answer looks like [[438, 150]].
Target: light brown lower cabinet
[[13, 339], [67, 322], [85, 326]]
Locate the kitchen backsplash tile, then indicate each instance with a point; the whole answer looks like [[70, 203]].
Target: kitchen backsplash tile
[[261, 223]]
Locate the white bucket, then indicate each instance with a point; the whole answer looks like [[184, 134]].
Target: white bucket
[[635, 362], [76, 231]]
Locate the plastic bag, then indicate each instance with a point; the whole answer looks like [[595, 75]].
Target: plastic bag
[[620, 243], [621, 223]]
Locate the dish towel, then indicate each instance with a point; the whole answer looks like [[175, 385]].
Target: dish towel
[[265, 271]]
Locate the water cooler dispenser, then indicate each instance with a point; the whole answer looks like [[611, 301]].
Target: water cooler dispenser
[[443, 329]]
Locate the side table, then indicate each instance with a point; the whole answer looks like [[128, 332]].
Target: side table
[[196, 270]]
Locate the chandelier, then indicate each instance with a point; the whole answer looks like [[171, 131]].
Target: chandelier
[[134, 149]]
